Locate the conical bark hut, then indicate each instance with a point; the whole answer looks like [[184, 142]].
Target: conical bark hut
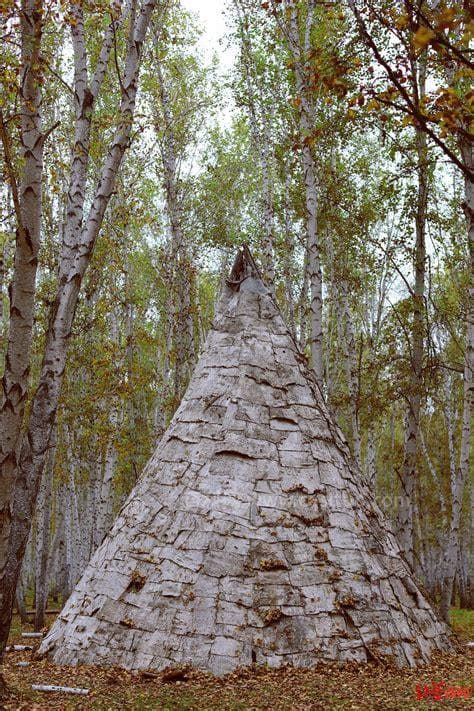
[[250, 536]]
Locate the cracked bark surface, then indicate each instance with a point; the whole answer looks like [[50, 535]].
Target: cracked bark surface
[[250, 536]]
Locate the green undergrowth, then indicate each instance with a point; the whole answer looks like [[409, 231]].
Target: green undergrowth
[[462, 622]]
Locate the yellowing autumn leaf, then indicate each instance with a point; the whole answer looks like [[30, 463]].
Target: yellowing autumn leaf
[[446, 19], [422, 37], [401, 22], [469, 31]]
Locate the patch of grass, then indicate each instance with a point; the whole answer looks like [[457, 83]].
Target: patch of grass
[[17, 628], [462, 622]]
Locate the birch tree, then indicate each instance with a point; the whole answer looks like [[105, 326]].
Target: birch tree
[[181, 100], [79, 237], [409, 471], [27, 199], [185, 350], [43, 527], [296, 24], [261, 111], [458, 472]]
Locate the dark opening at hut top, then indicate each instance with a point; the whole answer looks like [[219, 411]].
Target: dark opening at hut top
[[245, 275]]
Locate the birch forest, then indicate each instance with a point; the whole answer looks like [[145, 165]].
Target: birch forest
[[335, 140]]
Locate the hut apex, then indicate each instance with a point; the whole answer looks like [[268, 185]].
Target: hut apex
[[250, 536]]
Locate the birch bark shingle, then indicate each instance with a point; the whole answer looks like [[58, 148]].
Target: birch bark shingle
[[250, 535]]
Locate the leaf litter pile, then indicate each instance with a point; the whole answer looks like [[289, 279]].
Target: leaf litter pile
[[326, 686]]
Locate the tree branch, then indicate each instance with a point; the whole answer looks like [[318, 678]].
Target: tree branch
[[11, 174], [413, 110]]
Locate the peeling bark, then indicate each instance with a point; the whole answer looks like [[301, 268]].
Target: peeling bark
[[27, 200]]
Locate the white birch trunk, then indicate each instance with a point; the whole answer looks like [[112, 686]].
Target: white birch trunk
[[53, 571], [164, 390], [86, 499], [62, 574], [303, 306], [333, 323], [75, 255], [351, 368], [458, 481], [74, 531], [464, 581], [466, 149], [261, 138], [288, 259], [27, 200], [20, 597], [438, 486], [182, 269], [68, 544], [104, 507], [371, 459], [43, 526], [409, 469], [299, 51]]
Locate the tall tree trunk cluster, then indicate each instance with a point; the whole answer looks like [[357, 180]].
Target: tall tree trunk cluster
[[70, 522], [408, 478], [297, 29], [460, 469], [25, 446], [260, 115], [453, 63], [27, 198], [180, 268]]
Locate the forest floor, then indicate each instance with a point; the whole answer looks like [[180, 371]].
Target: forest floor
[[327, 686]]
